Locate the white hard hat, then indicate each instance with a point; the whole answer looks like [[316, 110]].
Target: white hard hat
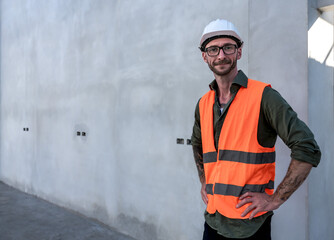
[[219, 28]]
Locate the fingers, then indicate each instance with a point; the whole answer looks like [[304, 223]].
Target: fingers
[[204, 196], [255, 211], [248, 197], [259, 203], [244, 201], [205, 200], [248, 209], [245, 195]]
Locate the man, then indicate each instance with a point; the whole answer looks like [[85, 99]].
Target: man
[[235, 130]]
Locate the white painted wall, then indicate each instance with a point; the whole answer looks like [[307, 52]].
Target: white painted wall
[[128, 73]]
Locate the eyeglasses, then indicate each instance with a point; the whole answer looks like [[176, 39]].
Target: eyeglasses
[[227, 49]]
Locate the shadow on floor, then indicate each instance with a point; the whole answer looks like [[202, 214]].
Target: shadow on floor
[[25, 217]]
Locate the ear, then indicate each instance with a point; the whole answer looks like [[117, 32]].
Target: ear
[[204, 57], [239, 53]]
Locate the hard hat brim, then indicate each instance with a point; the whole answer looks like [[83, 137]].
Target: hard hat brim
[[218, 34]]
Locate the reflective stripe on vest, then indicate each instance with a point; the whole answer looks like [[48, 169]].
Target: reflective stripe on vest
[[241, 164]]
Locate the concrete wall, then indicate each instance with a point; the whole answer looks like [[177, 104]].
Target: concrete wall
[[128, 73], [321, 119]]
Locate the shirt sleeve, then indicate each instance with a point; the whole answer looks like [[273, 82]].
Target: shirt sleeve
[[293, 131], [196, 138]]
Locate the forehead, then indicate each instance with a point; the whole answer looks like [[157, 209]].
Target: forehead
[[220, 42]]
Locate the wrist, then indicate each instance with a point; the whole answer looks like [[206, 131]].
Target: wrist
[[202, 179], [276, 201]]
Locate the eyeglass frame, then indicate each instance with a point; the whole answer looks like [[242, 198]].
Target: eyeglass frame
[[222, 48]]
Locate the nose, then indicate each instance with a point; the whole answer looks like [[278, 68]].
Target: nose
[[221, 54]]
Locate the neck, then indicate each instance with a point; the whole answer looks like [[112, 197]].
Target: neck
[[224, 84]]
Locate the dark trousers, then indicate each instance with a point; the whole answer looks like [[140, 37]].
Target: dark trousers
[[264, 233]]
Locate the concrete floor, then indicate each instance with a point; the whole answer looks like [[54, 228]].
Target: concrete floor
[[25, 217]]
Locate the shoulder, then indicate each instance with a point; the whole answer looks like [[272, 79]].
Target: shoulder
[[271, 96]]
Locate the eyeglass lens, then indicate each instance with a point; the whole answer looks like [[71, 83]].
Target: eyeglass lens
[[227, 49]]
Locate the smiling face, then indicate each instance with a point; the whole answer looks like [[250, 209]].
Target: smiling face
[[222, 64]]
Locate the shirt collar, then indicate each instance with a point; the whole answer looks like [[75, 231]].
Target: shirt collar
[[241, 80]]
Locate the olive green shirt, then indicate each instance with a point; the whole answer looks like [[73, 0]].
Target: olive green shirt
[[276, 118]]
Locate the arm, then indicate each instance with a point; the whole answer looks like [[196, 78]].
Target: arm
[[296, 175], [196, 140], [279, 118], [198, 156]]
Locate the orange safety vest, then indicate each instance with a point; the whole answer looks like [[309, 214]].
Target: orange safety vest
[[241, 164]]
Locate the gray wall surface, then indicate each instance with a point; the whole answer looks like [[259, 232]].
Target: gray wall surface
[[128, 74], [321, 119]]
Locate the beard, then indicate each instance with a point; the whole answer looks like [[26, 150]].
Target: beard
[[223, 72]]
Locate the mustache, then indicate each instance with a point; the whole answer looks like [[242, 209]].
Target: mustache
[[224, 61]]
